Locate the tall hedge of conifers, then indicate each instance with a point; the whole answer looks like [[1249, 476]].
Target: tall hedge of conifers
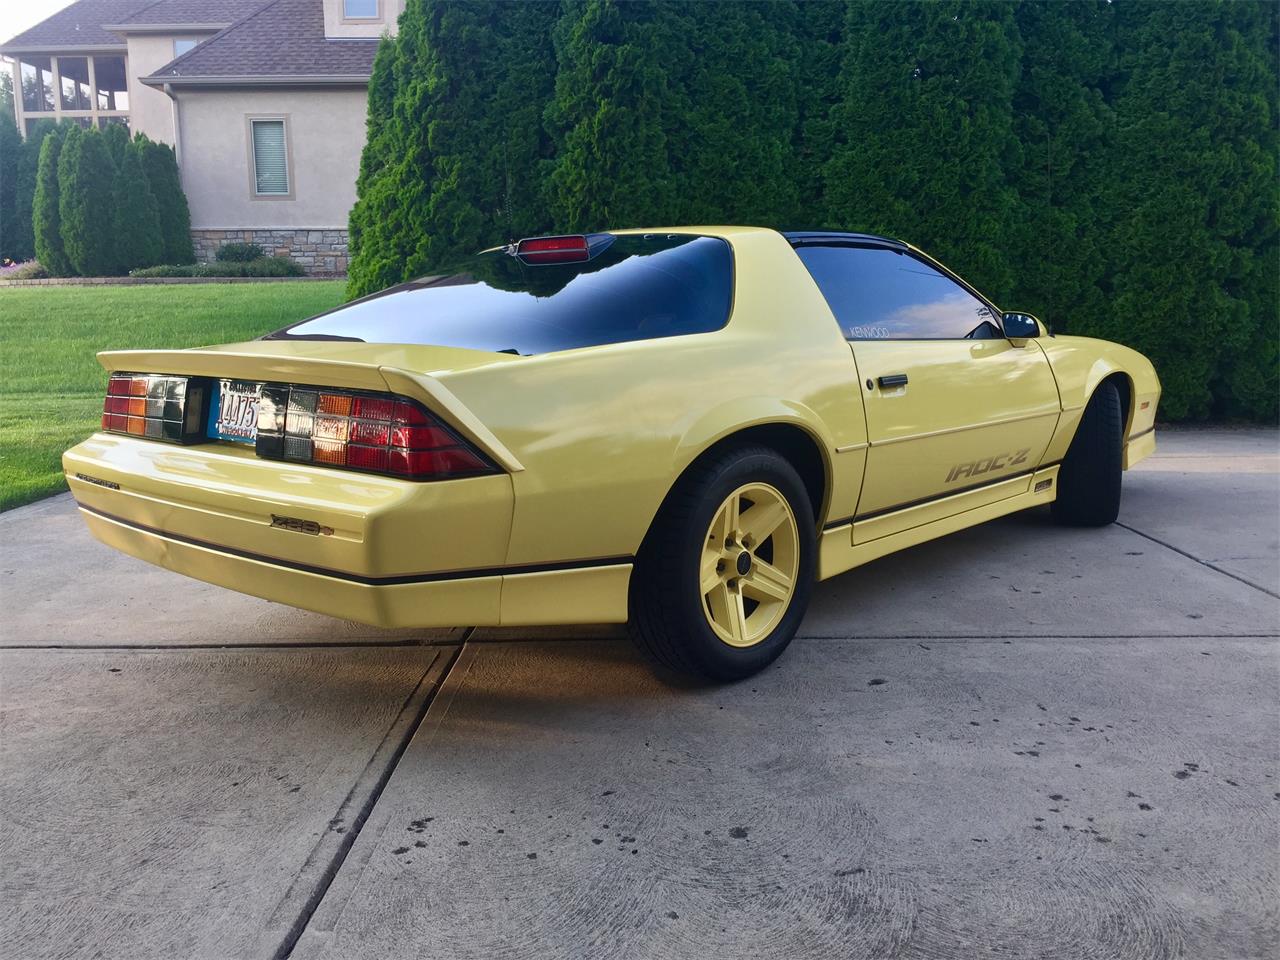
[[1110, 166], [90, 203]]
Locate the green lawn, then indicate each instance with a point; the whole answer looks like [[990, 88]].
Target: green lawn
[[51, 386]]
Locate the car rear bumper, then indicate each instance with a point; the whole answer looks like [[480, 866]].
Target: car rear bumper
[[379, 550]]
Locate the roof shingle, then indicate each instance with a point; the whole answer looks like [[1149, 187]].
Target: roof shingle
[[191, 11], [283, 39], [79, 25]]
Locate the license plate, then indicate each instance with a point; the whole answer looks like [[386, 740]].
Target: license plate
[[234, 411]]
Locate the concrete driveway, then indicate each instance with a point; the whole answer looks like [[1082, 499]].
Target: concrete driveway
[[1021, 741]]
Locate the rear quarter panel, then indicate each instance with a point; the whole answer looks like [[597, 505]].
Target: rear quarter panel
[[604, 432]]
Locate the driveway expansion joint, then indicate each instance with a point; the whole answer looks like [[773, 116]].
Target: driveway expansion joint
[[328, 859], [1203, 563]]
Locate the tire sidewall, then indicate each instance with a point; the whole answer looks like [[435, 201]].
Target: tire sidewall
[[716, 657]]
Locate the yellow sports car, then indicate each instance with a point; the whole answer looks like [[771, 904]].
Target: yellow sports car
[[678, 428]]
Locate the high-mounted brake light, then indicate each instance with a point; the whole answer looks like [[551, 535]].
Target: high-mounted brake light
[[572, 249], [381, 433], [155, 407]]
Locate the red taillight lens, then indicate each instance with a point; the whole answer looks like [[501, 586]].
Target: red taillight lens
[[573, 249], [155, 406], [382, 434]]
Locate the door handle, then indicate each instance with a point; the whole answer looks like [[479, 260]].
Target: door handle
[[893, 380]]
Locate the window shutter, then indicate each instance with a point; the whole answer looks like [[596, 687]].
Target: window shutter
[[270, 162]]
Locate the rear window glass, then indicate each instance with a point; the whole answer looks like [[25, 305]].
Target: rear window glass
[[637, 288]]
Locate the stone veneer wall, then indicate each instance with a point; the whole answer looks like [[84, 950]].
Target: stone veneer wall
[[321, 251]]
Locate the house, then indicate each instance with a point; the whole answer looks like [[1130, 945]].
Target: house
[[263, 100]]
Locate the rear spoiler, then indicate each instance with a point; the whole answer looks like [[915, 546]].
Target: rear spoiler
[[322, 373]]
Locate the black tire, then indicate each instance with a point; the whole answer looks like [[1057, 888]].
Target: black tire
[[1089, 478], [667, 622]]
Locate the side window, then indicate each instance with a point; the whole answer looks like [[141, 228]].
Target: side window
[[879, 294]]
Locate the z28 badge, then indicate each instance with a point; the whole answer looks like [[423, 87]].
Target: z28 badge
[[975, 468]]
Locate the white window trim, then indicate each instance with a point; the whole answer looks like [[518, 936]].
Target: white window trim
[[343, 18], [249, 121]]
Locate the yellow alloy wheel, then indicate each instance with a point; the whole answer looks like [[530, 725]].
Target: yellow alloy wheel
[[750, 563]]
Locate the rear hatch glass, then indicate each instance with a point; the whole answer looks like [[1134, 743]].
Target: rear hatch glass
[[636, 288]]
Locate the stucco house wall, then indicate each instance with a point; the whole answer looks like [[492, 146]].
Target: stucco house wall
[[325, 132], [150, 110]]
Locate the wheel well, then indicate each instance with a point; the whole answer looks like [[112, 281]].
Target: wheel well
[[1124, 386], [792, 443]]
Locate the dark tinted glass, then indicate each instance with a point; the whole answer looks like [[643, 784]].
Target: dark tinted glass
[[637, 288], [879, 294]]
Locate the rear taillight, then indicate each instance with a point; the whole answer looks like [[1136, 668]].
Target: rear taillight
[[573, 249], [380, 433], [155, 407]]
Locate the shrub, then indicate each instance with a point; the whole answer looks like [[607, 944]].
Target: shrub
[[263, 267], [161, 167], [136, 227], [85, 175], [239, 252], [45, 220], [30, 270]]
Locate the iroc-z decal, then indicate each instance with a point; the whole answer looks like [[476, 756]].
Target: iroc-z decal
[[976, 468]]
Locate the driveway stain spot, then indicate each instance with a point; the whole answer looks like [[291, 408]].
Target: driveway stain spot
[[399, 850], [738, 833], [672, 915], [876, 682], [853, 871]]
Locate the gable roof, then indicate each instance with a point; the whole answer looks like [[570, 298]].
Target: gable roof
[[79, 25], [282, 42]]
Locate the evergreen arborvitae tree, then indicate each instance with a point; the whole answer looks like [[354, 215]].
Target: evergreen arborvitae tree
[[116, 138], [1066, 130], [85, 175], [734, 148], [1192, 199], [927, 120], [820, 30], [392, 186], [161, 167], [136, 228], [454, 138], [45, 219], [619, 101], [10, 157], [1107, 165], [24, 200]]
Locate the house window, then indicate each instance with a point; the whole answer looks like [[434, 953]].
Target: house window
[[270, 158], [37, 85], [74, 74], [182, 46], [360, 9], [112, 84], [86, 90]]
